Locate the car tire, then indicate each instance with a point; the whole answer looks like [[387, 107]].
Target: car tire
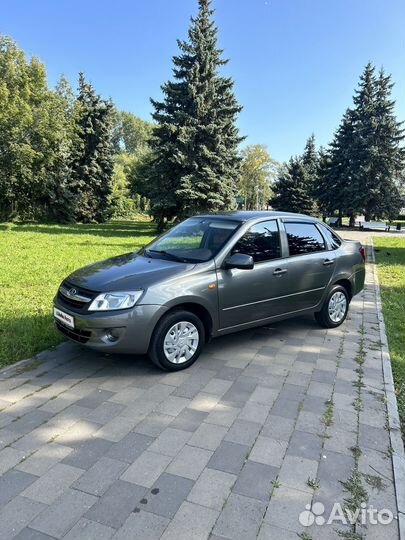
[[334, 309], [177, 340]]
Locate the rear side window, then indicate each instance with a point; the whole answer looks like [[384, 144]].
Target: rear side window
[[332, 238], [303, 238], [261, 241]]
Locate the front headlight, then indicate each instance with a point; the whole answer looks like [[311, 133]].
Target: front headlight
[[115, 300]]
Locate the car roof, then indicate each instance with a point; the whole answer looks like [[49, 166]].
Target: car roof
[[249, 215]]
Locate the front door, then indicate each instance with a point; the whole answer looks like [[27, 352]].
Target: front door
[[252, 295]]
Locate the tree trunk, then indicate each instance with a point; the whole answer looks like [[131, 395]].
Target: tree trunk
[[160, 224], [352, 220], [340, 217]]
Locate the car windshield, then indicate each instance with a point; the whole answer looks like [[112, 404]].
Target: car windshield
[[194, 240]]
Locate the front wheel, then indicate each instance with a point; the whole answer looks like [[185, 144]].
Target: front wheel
[[177, 341], [334, 309]]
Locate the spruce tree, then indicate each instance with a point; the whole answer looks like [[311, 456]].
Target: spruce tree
[[366, 155], [384, 199], [291, 192], [92, 157], [362, 145], [310, 162], [195, 143], [310, 159], [60, 195], [324, 199], [337, 174]]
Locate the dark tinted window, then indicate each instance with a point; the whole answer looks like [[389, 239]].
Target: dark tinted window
[[261, 241], [303, 238], [332, 238]]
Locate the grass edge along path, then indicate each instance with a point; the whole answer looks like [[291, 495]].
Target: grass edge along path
[[390, 260]]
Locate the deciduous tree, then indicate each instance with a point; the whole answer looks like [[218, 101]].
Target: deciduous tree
[[131, 134], [257, 173], [33, 136]]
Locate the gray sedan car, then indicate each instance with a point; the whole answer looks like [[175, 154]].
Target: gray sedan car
[[209, 276]]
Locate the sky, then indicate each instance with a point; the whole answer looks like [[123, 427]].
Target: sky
[[295, 63]]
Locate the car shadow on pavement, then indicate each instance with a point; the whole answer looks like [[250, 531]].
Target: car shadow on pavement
[[217, 347]]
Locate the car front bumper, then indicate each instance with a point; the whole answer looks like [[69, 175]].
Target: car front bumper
[[122, 331]]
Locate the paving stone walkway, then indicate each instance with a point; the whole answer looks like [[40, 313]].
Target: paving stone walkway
[[266, 422]]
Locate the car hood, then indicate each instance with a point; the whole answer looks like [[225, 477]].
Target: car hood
[[125, 273]]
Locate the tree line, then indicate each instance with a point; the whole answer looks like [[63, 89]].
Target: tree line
[[72, 156], [361, 171], [196, 166], [65, 156]]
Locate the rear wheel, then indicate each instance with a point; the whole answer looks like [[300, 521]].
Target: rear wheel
[[177, 341], [335, 308]]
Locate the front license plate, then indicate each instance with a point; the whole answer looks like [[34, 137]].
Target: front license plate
[[63, 317]]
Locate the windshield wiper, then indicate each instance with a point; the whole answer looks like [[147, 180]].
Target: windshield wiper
[[167, 254]]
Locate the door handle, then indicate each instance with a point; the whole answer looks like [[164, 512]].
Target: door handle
[[327, 262], [279, 271]]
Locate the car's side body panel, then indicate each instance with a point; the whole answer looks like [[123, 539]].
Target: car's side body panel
[[196, 286], [248, 295]]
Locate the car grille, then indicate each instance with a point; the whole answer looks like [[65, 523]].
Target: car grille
[[81, 336], [74, 297]]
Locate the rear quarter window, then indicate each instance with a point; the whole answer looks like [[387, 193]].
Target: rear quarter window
[[333, 240]]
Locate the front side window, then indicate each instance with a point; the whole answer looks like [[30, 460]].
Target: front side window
[[303, 238], [332, 238], [194, 240], [261, 241]]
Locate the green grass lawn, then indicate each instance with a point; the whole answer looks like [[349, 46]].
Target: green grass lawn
[[33, 261], [391, 272]]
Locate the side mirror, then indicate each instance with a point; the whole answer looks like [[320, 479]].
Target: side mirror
[[240, 261]]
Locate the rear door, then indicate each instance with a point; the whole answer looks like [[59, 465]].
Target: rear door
[[251, 295], [310, 265]]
